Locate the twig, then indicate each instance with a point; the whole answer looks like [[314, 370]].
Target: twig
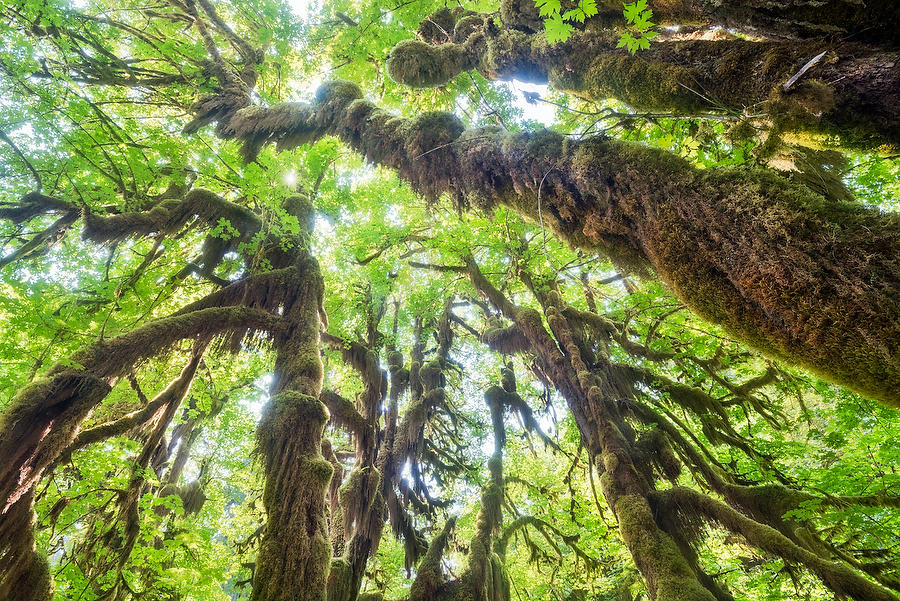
[[541, 215], [789, 83], [37, 177]]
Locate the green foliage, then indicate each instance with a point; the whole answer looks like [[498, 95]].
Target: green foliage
[[558, 23], [639, 32], [116, 149]]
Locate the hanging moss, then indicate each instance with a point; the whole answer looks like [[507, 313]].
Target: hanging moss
[[429, 574], [508, 340], [740, 247], [839, 577]]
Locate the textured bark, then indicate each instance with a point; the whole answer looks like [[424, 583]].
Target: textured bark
[[851, 94], [873, 21], [812, 282]]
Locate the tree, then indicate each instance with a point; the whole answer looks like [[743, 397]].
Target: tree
[[114, 104]]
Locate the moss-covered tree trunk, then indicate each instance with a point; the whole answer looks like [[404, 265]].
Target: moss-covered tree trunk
[[295, 551], [44, 419], [852, 93], [871, 20], [668, 574], [658, 527]]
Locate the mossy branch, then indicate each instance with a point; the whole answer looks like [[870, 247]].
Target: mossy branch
[[837, 576]]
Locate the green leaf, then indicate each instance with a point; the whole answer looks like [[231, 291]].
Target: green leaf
[[557, 29], [548, 8], [634, 9], [588, 7]]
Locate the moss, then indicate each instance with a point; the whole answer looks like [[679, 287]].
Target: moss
[[32, 581], [395, 359], [289, 407], [636, 82], [301, 207], [508, 379], [357, 495], [521, 14], [839, 577], [429, 574], [437, 28], [192, 497], [508, 340], [340, 580], [509, 56], [668, 574], [430, 131], [340, 90], [420, 65], [467, 26]]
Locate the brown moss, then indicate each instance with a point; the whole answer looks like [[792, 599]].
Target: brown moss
[[466, 27], [521, 14], [437, 27]]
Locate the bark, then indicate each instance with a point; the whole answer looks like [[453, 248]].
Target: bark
[[851, 93], [812, 282], [295, 551], [871, 21]]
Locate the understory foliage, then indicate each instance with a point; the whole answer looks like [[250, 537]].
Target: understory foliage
[[417, 301]]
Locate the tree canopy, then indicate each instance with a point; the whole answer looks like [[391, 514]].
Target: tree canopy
[[416, 300]]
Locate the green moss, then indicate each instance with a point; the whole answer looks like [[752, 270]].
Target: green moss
[[290, 405], [395, 359], [420, 65], [667, 572], [338, 90], [437, 28], [632, 80]]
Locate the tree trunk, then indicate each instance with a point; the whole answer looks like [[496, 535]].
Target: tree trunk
[[295, 551]]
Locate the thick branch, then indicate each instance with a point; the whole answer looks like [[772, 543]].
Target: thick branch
[[816, 283]]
